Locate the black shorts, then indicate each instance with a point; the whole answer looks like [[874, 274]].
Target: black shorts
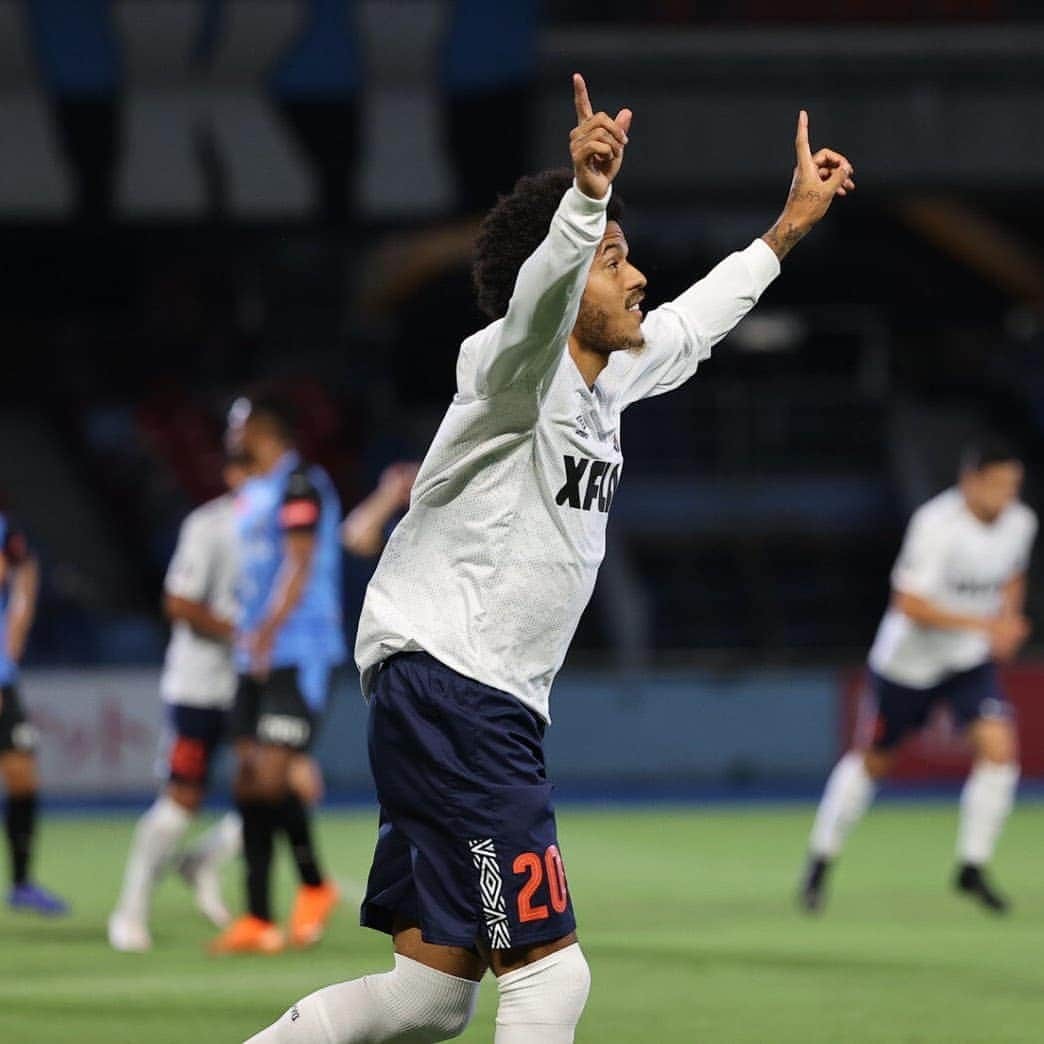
[[196, 734], [970, 695], [274, 711], [17, 732], [467, 847]]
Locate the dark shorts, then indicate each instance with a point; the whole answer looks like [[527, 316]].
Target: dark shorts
[[970, 695], [196, 734], [467, 847], [17, 733], [274, 711]]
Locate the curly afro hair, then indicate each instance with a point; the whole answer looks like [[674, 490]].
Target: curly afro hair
[[513, 229]]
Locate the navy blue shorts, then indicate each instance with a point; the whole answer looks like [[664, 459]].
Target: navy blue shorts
[[197, 733], [970, 695], [17, 733], [467, 847], [275, 711]]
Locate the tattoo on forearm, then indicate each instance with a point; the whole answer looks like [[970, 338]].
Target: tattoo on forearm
[[804, 199], [783, 236]]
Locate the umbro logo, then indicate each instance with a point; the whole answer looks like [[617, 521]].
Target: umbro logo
[[589, 484]]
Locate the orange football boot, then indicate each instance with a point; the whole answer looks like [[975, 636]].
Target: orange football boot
[[312, 909], [249, 934]]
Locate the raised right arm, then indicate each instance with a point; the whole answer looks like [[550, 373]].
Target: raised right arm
[[522, 348]]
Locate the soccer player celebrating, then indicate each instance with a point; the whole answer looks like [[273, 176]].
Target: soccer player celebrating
[[197, 685], [19, 584], [290, 640], [958, 590], [474, 602]]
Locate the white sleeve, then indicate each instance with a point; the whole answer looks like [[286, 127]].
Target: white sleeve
[[188, 575], [1026, 550], [518, 351], [922, 560], [679, 335]]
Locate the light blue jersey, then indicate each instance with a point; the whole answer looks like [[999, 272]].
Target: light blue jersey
[[292, 497], [15, 551]]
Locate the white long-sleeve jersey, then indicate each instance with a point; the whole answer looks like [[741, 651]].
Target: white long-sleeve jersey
[[493, 564]]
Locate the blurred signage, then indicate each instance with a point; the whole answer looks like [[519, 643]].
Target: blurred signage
[[940, 752], [180, 108], [100, 731]]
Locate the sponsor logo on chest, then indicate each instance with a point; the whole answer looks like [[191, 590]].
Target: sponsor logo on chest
[[976, 586], [590, 484]]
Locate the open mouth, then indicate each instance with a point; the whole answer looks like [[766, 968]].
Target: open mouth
[[636, 307]]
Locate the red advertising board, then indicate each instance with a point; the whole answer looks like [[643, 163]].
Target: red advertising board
[[939, 752]]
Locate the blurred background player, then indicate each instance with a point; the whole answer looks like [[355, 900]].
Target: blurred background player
[[289, 640], [198, 686], [19, 584], [958, 592]]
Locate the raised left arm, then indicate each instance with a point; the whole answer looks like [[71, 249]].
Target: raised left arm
[[680, 334], [817, 180]]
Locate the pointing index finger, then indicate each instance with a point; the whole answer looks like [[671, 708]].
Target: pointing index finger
[[581, 100], [801, 140]]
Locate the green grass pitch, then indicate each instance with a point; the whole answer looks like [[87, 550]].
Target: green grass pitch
[[687, 918]]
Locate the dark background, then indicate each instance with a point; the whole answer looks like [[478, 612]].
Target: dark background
[[198, 194]]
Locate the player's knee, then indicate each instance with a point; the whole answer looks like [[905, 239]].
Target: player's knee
[[994, 741], [270, 789], [187, 795], [245, 777], [549, 992], [265, 777], [878, 763], [430, 1006], [19, 774], [412, 1003], [433, 1026]]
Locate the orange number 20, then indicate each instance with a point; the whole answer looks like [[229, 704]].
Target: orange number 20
[[558, 893]]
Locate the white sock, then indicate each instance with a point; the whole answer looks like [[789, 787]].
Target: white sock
[[221, 843], [413, 1004], [156, 839], [847, 796], [542, 1002], [986, 800]]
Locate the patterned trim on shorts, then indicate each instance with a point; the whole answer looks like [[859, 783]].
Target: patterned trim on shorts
[[491, 885]]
